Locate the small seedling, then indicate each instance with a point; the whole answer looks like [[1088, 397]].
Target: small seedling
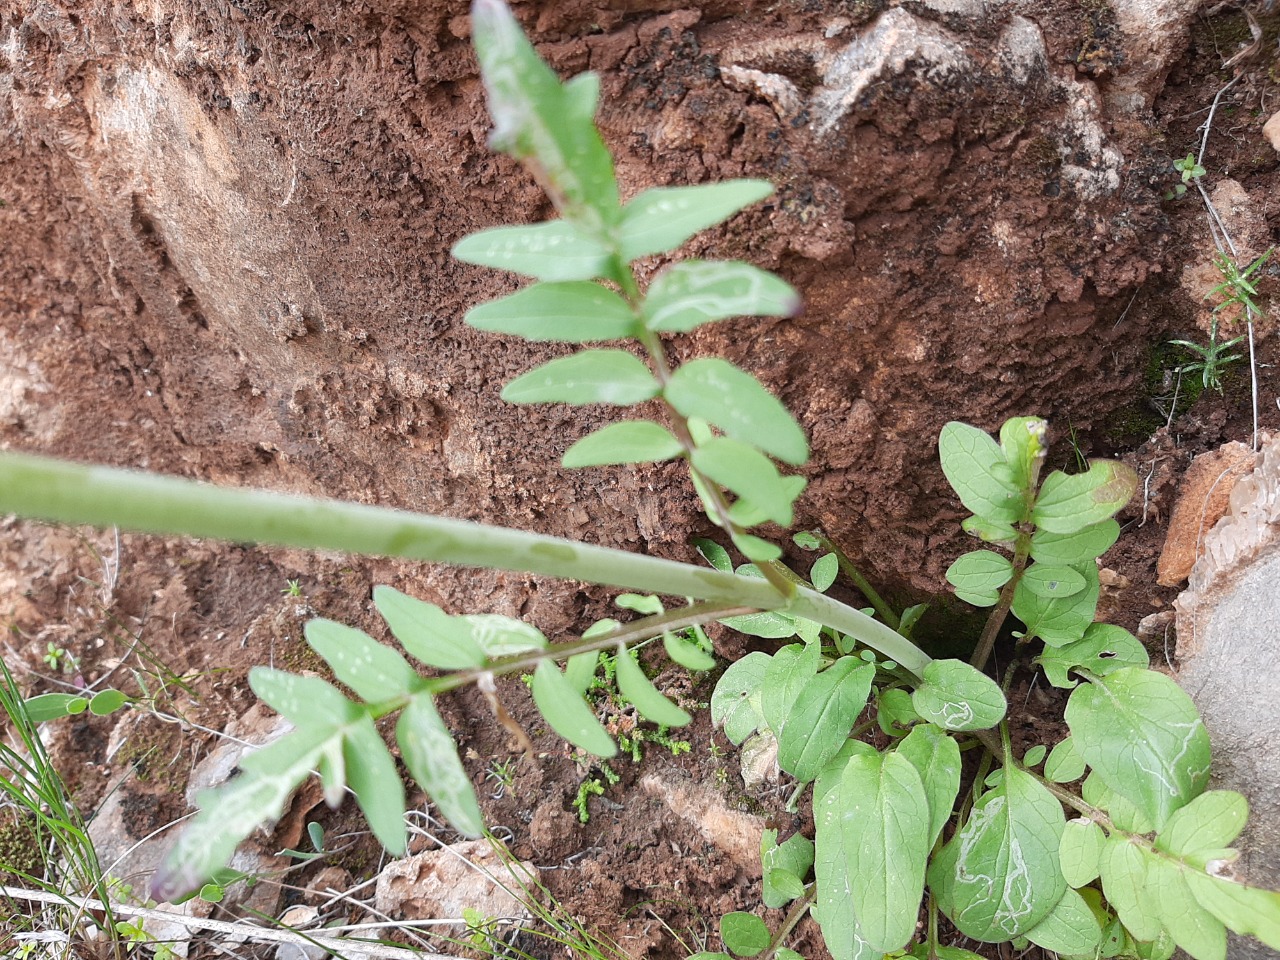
[[58, 658], [1190, 171], [1237, 288], [502, 773], [292, 588], [1211, 358]]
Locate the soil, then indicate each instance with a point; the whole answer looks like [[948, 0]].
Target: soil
[[227, 258]]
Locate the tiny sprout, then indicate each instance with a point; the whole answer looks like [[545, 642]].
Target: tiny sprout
[[292, 588]]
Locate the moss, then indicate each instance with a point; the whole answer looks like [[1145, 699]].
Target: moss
[[20, 851]]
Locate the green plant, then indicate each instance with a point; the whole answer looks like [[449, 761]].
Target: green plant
[[1211, 358], [1190, 170], [292, 588], [894, 828]]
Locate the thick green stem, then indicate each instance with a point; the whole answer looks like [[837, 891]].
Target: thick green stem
[[995, 620], [103, 496], [862, 583]]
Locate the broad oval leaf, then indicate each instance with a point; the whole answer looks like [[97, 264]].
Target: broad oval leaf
[[822, 574], [54, 706], [999, 876], [1080, 851], [970, 459], [1050, 581], [373, 670], [568, 713], [744, 933], [1065, 763], [989, 530], [575, 312], [555, 251], [1193, 928], [639, 690], [1142, 735], [747, 473], [1070, 929], [689, 294], [832, 909], [1210, 822], [372, 776], [1087, 544], [895, 713], [792, 669], [735, 704], [631, 441], [793, 857], [822, 717], [590, 376], [106, 702], [1068, 504], [1059, 620], [1246, 910], [429, 751], [733, 400], [1123, 868], [663, 218], [427, 632], [884, 815], [979, 575], [955, 696], [1103, 649], [303, 701], [936, 758]]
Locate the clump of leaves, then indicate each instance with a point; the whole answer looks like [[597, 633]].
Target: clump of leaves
[[1211, 358], [1190, 170]]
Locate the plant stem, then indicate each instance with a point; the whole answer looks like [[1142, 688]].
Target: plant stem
[[864, 586], [995, 620], [794, 916]]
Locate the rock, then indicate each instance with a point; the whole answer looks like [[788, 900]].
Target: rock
[[736, 833], [1202, 501], [1271, 130], [1228, 648], [440, 884], [759, 760]]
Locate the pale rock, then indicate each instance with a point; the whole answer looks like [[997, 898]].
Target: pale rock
[[440, 884], [1202, 501], [737, 834], [759, 756], [1271, 130]]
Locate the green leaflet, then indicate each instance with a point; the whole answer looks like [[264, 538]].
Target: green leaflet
[[840, 930], [999, 876], [822, 717], [580, 669], [574, 312], [794, 857], [1080, 850], [988, 530], [1022, 445], [1068, 504], [1246, 910], [106, 702], [746, 513], [54, 706], [689, 294], [303, 701], [499, 636], [1102, 650], [718, 392], [971, 462], [689, 655], [631, 441], [884, 817], [372, 776], [429, 752], [1050, 581], [1070, 929], [1192, 927], [747, 473], [895, 713], [735, 704], [663, 218], [373, 670], [569, 714], [536, 117], [714, 554], [1123, 868], [1065, 763], [427, 632], [792, 669], [1086, 544], [823, 572], [1207, 824], [638, 690], [1142, 735], [1124, 814], [744, 933], [590, 376], [1061, 620], [936, 758], [979, 575], [955, 696], [554, 251]]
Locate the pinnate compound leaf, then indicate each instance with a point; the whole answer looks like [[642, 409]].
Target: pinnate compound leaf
[[747, 473], [54, 706], [1208, 823], [1052, 581], [303, 701], [1068, 504], [733, 400], [555, 252], [430, 754], [1246, 910], [936, 758], [1102, 650], [744, 933], [590, 376], [689, 294], [1070, 929], [1192, 927], [631, 441], [639, 690], [568, 713], [374, 671], [1059, 620], [822, 717], [1086, 544], [499, 636], [999, 876], [427, 632], [1080, 851], [1123, 868], [735, 704], [884, 816], [663, 218], [979, 575], [970, 459], [576, 312], [794, 858], [372, 775], [1065, 763], [1142, 736], [955, 696]]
